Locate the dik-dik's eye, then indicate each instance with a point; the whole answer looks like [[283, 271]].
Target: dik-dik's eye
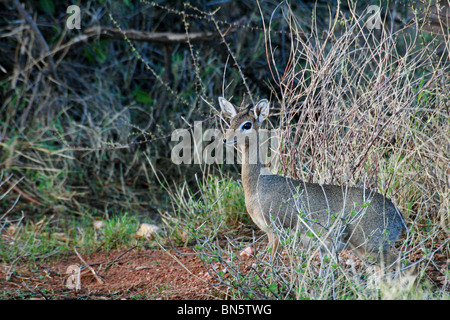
[[247, 126]]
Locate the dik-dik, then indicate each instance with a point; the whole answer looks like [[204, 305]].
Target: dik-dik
[[340, 217]]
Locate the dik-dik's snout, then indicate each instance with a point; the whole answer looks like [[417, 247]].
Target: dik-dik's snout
[[230, 139], [239, 137], [232, 142]]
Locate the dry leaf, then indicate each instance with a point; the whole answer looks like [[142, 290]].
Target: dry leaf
[[98, 224], [148, 231], [246, 253], [60, 236]]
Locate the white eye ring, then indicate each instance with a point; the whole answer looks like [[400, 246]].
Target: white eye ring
[[246, 126]]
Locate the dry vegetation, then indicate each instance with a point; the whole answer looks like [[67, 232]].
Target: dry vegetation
[[86, 117]]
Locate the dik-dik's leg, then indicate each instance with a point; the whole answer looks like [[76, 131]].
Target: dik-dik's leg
[[391, 262], [274, 245], [385, 259]]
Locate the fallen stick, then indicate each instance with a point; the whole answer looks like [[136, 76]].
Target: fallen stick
[[89, 267], [146, 36], [110, 263]]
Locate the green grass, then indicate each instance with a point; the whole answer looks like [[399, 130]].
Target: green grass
[[217, 208], [27, 241]]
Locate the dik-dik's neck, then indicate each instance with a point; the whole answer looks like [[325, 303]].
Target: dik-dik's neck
[[251, 164]]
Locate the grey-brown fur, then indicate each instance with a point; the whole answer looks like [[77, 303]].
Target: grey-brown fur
[[354, 218]]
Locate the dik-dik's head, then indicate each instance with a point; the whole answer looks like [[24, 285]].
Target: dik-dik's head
[[243, 122]]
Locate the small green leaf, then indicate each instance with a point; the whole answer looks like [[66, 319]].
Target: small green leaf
[[142, 96], [47, 6]]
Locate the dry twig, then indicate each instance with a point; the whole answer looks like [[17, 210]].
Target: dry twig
[[99, 280]]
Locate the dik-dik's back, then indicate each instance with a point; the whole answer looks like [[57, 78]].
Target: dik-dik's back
[[339, 217], [360, 219]]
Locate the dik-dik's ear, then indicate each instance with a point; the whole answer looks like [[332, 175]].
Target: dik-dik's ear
[[227, 107], [262, 111]]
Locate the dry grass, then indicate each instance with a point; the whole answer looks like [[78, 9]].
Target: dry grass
[[370, 109], [359, 108]]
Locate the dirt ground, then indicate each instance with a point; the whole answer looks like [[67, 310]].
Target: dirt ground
[[133, 274], [124, 274]]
